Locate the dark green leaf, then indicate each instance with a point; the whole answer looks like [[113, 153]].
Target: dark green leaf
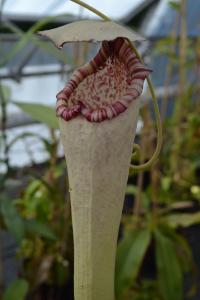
[[130, 255], [12, 220], [182, 248], [16, 290], [41, 229], [170, 277], [42, 113]]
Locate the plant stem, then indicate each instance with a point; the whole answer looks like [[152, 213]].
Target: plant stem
[[153, 159], [183, 52], [92, 9], [169, 70], [181, 103]]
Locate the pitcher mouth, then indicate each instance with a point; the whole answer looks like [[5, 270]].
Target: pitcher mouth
[[103, 88]]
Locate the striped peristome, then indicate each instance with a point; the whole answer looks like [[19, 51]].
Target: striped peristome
[[103, 88]]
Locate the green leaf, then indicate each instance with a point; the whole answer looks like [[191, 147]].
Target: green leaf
[[195, 190], [27, 37], [183, 219], [166, 183], [182, 247], [13, 221], [130, 254], [47, 47], [175, 5], [170, 277], [42, 113], [17, 290], [6, 91], [131, 189], [31, 189], [40, 228]]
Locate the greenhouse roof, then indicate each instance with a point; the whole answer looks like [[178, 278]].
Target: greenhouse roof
[[165, 18], [55, 7]]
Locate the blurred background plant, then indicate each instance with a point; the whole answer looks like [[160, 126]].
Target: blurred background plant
[[157, 257]]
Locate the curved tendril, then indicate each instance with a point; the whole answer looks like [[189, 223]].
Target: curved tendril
[[154, 157]]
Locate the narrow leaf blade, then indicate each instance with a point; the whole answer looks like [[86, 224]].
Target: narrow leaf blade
[[170, 277], [42, 113], [16, 290], [183, 219], [12, 220], [40, 228], [130, 255]]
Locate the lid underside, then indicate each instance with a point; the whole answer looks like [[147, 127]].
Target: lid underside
[[89, 31]]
